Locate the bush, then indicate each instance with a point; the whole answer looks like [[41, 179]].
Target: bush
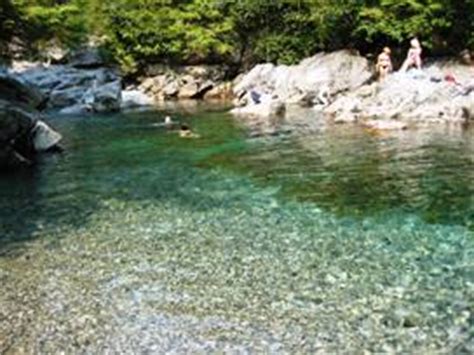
[[138, 32]]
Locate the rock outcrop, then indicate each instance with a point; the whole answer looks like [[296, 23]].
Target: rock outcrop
[[314, 80], [22, 133], [415, 97], [339, 86], [82, 85], [188, 82]]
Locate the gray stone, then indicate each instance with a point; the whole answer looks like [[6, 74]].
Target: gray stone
[[15, 90], [65, 86], [65, 97], [89, 57], [333, 73], [106, 98], [16, 123], [44, 137], [135, 98]]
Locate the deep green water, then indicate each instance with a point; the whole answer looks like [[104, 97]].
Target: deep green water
[[346, 170], [352, 239]]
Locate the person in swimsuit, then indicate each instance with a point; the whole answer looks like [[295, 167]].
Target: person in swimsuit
[[185, 132], [384, 64], [413, 57]]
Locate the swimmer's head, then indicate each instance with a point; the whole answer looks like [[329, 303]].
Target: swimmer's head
[[167, 119]]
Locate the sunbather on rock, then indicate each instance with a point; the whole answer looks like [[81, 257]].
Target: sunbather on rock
[[413, 59], [384, 64]]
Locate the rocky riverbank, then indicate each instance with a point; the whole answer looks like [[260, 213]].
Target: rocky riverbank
[[340, 86], [207, 82], [81, 83], [88, 86]]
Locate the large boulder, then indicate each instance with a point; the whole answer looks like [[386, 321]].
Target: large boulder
[[105, 98], [67, 88], [14, 90], [16, 121], [304, 83], [22, 135]]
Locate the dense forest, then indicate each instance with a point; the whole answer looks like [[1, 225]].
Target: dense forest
[[134, 32]]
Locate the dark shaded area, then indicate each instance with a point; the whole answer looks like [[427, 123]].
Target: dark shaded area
[[120, 157]]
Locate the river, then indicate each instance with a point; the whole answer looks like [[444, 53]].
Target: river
[[335, 239]]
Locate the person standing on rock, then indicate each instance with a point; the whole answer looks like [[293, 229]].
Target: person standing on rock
[[384, 64], [413, 57]]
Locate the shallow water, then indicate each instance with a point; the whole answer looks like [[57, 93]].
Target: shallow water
[[138, 241]]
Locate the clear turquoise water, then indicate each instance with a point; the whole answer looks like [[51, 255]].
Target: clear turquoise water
[[351, 239]]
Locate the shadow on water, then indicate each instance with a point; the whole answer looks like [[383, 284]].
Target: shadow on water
[[123, 157], [128, 157]]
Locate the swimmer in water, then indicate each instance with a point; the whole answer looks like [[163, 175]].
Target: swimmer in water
[[185, 132]]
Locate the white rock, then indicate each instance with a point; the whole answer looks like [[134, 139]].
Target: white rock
[[135, 98], [322, 75], [44, 137]]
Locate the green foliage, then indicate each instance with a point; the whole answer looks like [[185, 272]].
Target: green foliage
[[9, 25], [137, 32], [156, 30], [59, 20], [397, 20]]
